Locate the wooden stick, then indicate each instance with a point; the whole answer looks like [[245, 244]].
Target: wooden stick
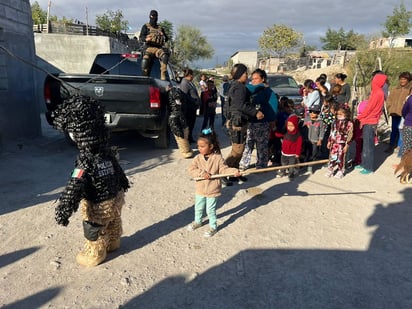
[[268, 169]]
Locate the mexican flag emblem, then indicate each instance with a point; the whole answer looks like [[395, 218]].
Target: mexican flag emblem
[[77, 173]]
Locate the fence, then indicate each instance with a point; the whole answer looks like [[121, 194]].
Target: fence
[[79, 29]]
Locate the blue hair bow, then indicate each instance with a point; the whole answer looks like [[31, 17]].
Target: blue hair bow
[[207, 131]]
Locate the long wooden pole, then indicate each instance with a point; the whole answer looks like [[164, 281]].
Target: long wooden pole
[[268, 169]]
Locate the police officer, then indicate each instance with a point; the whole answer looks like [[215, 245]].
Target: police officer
[[154, 37]]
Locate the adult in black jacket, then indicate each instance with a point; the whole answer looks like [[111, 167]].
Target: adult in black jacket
[[192, 101], [239, 110]]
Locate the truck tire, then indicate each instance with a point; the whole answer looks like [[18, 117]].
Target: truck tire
[[163, 140]]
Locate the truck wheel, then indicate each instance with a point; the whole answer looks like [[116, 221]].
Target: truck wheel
[[163, 140]]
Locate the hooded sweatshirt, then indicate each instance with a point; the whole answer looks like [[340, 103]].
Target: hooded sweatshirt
[[292, 140], [373, 109]]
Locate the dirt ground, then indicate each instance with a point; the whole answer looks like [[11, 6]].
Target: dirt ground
[[314, 242]]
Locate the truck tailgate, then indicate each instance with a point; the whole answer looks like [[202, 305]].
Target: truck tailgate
[[116, 93]]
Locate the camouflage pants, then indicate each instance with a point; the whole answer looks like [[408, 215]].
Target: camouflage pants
[[157, 52]]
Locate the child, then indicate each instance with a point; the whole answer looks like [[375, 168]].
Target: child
[[209, 100], [277, 132], [357, 135], [336, 90], [311, 96], [327, 118], [208, 162], [291, 146], [340, 136], [316, 132]]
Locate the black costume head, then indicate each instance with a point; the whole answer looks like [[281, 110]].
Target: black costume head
[[153, 18], [83, 119]]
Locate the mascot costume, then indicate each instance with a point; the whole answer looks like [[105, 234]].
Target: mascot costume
[[97, 183], [177, 121]]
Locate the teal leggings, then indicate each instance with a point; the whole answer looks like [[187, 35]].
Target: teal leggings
[[210, 203]]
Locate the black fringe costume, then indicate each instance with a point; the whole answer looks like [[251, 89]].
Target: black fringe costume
[[97, 183], [177, 121]]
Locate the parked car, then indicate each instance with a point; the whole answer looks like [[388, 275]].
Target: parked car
[[286, 86]]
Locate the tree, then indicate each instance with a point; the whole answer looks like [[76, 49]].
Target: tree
[[397, 24], [340, 39], [168, 27], [279, 39], [112, 21], [190, 45], [38, 15]]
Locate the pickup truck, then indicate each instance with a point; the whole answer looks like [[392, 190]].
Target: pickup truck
[[131, 101]]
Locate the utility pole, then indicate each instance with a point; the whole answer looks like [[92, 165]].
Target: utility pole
[[48, 16], [87, 22]]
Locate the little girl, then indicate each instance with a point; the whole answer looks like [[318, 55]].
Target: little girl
[[208, 162], [291, 147], [338, 144], [327, 117]]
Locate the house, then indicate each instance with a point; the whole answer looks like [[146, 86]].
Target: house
[[248, 58], [400, 42]]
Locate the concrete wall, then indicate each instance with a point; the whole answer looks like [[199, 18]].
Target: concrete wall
[[19, 110], [73, 53]]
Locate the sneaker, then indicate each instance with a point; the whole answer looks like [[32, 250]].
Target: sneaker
[[366, 172], [339, 175], [241, 179], [358, 167], [281, 174], [226, 182], [210, 232], [193, 226], [329, 173], [291, 177]]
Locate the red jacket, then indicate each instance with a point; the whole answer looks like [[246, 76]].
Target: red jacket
[[373, 109], [293, 145], [292, 148]]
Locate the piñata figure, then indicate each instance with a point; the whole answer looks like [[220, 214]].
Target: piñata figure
[[97, 183], [177, 121]]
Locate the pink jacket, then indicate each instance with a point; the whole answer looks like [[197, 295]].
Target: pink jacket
[[214, 165], [373, 110]]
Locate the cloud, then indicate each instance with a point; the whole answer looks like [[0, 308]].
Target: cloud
[[231, 26]]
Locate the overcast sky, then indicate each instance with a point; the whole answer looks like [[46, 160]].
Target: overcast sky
[[232, 26]]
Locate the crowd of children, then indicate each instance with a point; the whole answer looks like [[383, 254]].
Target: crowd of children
[[324, 131]]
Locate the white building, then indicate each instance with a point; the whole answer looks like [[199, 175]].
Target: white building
[[248, 58], [396, 43]]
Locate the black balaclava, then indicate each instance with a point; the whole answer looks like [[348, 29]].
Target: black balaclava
[[153, 18]]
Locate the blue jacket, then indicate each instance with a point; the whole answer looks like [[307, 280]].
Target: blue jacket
[[267, 99]]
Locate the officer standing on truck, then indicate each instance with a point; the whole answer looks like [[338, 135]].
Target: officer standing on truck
[[154, 37]]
